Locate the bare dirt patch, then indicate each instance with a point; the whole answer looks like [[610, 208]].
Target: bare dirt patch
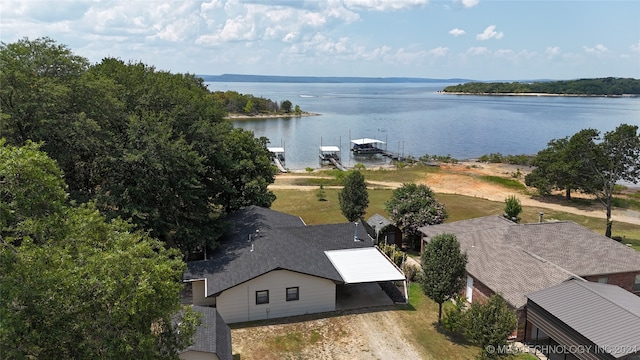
[[359, 335]]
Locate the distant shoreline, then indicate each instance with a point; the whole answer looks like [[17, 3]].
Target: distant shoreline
[[237, 116], [538, 94]]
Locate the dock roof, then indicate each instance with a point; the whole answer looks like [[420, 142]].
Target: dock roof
[[364, 141], [329, 148], [276, 149]]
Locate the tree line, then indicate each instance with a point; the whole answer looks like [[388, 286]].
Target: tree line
[[144, 145], [599, 86], [234, 102]]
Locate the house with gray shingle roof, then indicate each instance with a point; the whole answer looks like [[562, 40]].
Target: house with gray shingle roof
[[270, 264], [514, 260]]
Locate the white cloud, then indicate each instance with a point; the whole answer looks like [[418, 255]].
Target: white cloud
[[490, 33], [469, 3], [552, 52], [439, 51], [384, 5], [597, 50], [456, 32], [635, 47], [480, 50]]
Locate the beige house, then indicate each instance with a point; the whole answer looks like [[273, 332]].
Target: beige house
[[272, 265]]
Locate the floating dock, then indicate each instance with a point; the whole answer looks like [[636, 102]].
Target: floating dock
[[278, 158], [331, 154]]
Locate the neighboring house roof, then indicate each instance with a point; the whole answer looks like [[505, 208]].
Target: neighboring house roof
[[507, 270], [282, 242], [378, 222], [576, 248], [515, 259], [607, 315], [213, 335]]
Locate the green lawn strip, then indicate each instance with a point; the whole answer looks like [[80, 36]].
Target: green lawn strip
[[421, 322]]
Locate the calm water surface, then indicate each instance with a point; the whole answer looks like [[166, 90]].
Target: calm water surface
[[414, 119]]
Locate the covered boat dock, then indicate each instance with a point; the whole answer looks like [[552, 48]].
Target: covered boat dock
[[367, 146]]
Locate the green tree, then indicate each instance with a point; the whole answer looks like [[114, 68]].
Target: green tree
[[91, 289], [613, 158], [32, 194], [512, 207], [249, 108], [354, 197], [489, 325], [146, 145], [443, 267], [286, 106], [414, 206]]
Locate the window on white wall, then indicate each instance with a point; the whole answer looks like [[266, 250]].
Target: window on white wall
[[262, 297], [293, 293]]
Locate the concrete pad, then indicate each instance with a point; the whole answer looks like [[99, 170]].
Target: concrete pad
[[356, 296]]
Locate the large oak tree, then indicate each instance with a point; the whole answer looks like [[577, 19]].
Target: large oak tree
[[75, 285]]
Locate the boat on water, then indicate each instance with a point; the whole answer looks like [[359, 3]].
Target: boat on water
[[367, 146]]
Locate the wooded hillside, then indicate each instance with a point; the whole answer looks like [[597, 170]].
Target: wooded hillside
[[595, 87]]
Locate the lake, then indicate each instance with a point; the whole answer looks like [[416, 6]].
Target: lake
[[415, 119]]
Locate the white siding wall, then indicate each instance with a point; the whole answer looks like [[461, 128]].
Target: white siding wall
[[239, 303], [198, 291]]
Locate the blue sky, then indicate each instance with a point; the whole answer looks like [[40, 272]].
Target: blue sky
[[474, 39]]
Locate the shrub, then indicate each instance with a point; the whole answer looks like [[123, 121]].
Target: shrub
[[453, 319], [411, 272]]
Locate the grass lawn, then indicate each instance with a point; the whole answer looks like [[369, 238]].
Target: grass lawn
[[459, 207], [420, 318]]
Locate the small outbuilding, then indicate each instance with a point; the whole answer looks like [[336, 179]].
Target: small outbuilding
[[383, 231]]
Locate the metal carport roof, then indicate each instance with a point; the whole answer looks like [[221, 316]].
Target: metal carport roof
[[363, 265]]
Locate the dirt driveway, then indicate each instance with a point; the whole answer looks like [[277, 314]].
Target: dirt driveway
[[359, 335]]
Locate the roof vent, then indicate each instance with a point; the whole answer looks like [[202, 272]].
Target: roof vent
[[355, 233]]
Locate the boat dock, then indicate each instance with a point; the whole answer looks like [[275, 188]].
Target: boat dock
[[278, 158], [367, 146], [331, 154]]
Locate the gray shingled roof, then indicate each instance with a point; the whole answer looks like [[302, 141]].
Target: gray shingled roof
[[514, 259], [378, 222], [507, 270], [213, 336], [576, 248], [283, 242], [613, 320]]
